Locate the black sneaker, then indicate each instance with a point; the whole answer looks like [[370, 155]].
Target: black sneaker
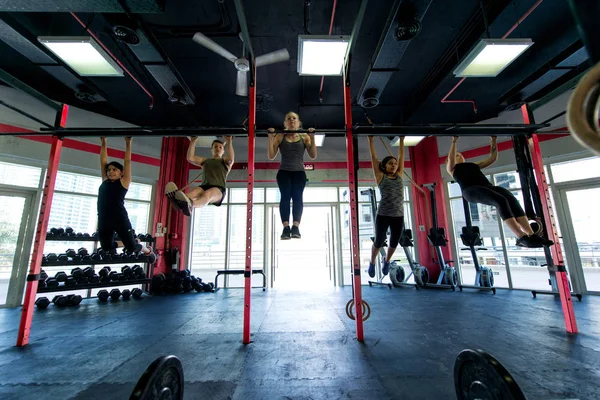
[[539, 239], [529, 242], [287, 233], [296, 232], [372, 270], [386, 268]]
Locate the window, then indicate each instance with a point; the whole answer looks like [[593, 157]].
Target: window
[[20, 175], [207, 255], [576, 170]]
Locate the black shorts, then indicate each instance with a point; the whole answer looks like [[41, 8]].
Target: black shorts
[[223, 191], [122, 226]]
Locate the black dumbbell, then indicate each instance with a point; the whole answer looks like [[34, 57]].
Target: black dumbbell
[[114, 276], [104, 271], [101, 252], [61, 276], [77, 273], [107, 257], [115, 294], [79, 234], [43, 275], [87, 257], [187, 284], [82, 251], [84, 280], [52, 258], [122, 278], [105, 279], [44, 260], [126, 294], [41, 284], [74, 299], [183, 274], [71, 281], [89, 272], [137, 293], [94, 235], [71, 253], [55, 231], [103, 295], [95, 279], [127, 271], [42, 303], [52, 282], [69, 231], [60, 301], [137, 271], [96, 257], [77, 258], [49, 235], [85, 234], [208, 287], [63, 258]]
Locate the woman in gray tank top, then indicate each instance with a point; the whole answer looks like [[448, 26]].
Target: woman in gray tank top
[[215, 171], [390, 213], [291, 177]]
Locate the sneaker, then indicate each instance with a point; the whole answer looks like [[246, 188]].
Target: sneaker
[[372, 270], [170, 191], [287, 233], [183, 203], [386, 268], [296, 232], [542, 240], [527, 241]]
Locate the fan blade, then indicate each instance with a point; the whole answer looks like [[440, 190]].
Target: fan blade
[[211, 45], [272, 58], [241, 84]]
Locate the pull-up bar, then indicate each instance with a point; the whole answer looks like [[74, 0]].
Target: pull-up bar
[[448, 130]]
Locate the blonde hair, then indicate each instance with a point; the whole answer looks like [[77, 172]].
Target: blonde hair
[[292, 113]]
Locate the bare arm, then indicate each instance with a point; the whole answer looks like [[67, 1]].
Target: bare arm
[[451, 163], [230, 155], [126, 179], [311, 147], [493, 154], [401, 156], [191, 154], [103, 158], [273, 146], [374, 161]]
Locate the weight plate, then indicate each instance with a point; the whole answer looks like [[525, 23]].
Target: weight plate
[[163, 380], [478, 375]]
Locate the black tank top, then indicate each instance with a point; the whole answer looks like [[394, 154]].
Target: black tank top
[[469, 174], [111, 199]]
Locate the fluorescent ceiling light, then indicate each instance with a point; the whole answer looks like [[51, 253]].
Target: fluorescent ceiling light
[[82, 54], [205, 141], [408, 141], [491, 56], [321, 55], [319, 139]]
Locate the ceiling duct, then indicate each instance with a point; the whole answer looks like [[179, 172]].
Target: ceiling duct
[[90, 6]]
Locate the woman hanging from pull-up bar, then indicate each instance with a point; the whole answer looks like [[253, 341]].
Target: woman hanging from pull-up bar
[[390, 213], [215, 171], [291, 177], [476, 188]]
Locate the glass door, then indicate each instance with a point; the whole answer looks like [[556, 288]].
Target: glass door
[[15, 214], [579, 205]]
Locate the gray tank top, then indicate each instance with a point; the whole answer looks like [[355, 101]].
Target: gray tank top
[[392, 197], [292, 155], [215, 172]]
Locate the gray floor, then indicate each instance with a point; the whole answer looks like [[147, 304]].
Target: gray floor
[[304, 345]]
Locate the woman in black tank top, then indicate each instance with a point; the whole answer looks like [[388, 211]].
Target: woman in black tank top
[[291, 178], [215, 170], [476, 188], [112, 215]]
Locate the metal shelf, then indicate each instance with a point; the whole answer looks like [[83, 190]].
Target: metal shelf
[[96, 262], [65, 288], [83, 239]]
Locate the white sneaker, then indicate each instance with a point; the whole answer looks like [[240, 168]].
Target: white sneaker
[[184, 203], [170, 191]]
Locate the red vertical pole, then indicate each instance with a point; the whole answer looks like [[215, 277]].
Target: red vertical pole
[[549, 217], [354, 248], [38, 244], [248, 268]]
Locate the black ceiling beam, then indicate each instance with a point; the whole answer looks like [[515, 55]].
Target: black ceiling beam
[[89, 6], [394, 41], [17, 84], [25, 114], [360, 16], [239, 9], [586, 14]]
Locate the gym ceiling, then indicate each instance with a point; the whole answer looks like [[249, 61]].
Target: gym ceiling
[[175, 70]]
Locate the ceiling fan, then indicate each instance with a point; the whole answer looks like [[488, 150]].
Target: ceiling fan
[[241, 63]]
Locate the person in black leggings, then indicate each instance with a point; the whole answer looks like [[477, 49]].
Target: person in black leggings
[[112, 215], [477, 189], [291, 177]]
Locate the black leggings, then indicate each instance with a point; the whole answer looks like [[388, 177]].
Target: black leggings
[[291, 186], [507, 205], [106, 232], [382, 223]]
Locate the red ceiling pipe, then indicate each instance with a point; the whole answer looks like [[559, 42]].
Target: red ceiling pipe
[[330, 30], [515, 26], [115, 59]]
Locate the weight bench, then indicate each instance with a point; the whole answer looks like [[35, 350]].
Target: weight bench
[[240, 272]]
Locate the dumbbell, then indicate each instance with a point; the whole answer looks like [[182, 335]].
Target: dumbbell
[[137, 271], [94, 235], [104, 271], [82, 251], [60, 301], [61, 276], [122, 278], [187, 284], [71, 253], [208, 287], [77, 273], [103, 295], [52, 282], [101, 252], [105, 279], [96, 257], [114, 276], [79, 234], [63, 258], [157, 284], [69, 231], [74, 299], [183, 274], [57, 231], [115, 294], [126, 294], [49, 235], [89, 272], [127, 271], [52, 258], [71, 281], [87, 235], [84, 280], [77, 258], [95, 279], [41, 284], [137, 293], [43, 275], [42, 303]]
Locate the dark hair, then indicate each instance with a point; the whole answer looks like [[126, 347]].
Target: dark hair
[[384, 162], [115, 164], [216, 141]]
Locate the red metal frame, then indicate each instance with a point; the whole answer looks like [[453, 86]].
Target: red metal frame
[[561, 276], [38, 244], [354, 248], [248, 267]]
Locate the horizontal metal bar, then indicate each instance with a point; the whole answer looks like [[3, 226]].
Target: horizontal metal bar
[[144, 131], [17, 84], [316, 131], [25, 114], [448, 130]]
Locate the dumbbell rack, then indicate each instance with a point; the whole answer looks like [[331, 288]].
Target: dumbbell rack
[[63, 288]]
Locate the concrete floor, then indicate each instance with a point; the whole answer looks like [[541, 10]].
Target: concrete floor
[[304, 345]]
